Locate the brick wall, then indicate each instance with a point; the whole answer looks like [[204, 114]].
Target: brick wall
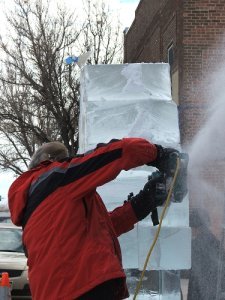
[[152, 31], [138, 34], [196, 29], [203, 30]]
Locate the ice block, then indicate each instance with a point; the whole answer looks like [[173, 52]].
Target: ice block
[[134, 100]]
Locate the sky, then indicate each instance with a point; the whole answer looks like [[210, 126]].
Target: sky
[[126, 9]]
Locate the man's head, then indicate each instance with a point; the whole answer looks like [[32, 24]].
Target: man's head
[[53, 151]]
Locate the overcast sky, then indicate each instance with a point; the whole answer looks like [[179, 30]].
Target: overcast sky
[[126, 9]]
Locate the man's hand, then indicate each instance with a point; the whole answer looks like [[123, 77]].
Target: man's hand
[[166, 159], [145, 201]]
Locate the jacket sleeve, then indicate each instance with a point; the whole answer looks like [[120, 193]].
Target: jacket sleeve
[[80, 175], [17, 197], [106, 162], [123, 218]]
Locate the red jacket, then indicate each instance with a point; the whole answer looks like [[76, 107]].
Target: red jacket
[[70, 237]]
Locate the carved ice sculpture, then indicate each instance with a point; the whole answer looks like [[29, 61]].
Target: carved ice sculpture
[[134, 100]]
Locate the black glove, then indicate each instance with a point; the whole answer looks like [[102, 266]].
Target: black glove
[[144, 202], [166, 160]]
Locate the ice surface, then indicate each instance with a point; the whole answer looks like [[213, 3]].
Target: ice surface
[[156, 285], [173, 296], [155, 120], [135, 100], [166, 248], [109, 109], [127, 82]]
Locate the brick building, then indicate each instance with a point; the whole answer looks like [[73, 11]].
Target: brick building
[[185, 33], [189, 34]]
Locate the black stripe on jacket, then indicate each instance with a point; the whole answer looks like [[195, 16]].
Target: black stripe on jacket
[[57, 177]]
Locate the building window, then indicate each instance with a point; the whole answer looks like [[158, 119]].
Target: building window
[[170, 55]]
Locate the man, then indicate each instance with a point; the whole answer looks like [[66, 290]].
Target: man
[[70, 238]]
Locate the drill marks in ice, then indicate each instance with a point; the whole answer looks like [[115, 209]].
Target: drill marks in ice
[[133, 75], [154, 120], [127, 82], [110, 121]]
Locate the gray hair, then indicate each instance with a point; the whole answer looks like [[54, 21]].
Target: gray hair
[[50, 151]]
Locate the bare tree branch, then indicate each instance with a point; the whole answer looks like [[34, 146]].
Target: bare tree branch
[[39, 93]]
